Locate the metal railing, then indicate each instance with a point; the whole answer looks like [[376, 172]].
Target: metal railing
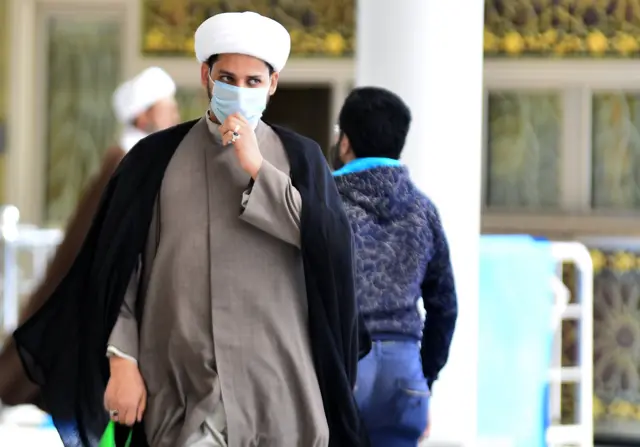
[[580, 433], [26, 250]]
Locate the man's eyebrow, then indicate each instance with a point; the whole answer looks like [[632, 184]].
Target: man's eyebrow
[[233, 75]]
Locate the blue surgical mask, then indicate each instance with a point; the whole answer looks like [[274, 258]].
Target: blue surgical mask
[[229, 99]]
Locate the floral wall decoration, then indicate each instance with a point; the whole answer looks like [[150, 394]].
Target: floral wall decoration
[[562, 28], [318, 27], [617, 340], [326, 28], [616, 356]]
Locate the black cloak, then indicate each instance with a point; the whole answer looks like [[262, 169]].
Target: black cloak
[[63, 345]]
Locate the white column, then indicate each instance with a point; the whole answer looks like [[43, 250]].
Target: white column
[[430, 53], [24, 176]]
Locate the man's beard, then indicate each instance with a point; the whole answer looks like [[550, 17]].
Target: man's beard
[[151, 127]]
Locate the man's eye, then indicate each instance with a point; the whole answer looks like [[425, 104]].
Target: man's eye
[[254, 81], [226, 79]]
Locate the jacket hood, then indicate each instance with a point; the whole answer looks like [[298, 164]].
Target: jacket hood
[[384, 191]]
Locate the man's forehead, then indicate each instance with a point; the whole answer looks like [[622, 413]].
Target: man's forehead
[[237, 62]]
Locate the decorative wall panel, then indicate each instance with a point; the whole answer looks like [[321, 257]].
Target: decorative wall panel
[[317, 27], [83, 71], [523, 150], [562, 28], [616, 151], [617, 341]]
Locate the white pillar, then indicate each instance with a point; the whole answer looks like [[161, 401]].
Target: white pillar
[[430, 53], [24, 173]]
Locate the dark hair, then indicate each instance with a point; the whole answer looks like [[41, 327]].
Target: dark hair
[[376, 121], [212, 60]]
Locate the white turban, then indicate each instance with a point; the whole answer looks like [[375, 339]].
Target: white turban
[[138, 94], [246, 33]]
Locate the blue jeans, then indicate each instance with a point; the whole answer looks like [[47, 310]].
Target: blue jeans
[[392, 394]]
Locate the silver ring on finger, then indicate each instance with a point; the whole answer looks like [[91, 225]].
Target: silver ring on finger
[[113, 415], [236, 133]]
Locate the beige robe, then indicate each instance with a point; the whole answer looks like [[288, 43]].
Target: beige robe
[[224, 326]]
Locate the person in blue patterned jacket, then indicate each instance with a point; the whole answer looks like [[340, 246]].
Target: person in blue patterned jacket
[[402, 255]]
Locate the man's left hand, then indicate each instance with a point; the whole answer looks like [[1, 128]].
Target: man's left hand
[[245, 144]]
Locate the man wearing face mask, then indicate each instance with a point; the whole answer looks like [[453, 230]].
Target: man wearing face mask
[[143, 104], [221, 275]]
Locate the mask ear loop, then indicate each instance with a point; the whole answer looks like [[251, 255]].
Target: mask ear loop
[[210, 92], [209, 76]]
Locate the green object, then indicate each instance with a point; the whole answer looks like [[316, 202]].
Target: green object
[[109, 437]]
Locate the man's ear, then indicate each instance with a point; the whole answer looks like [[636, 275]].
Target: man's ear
[[204, 75], [274, 82], [345, 145]]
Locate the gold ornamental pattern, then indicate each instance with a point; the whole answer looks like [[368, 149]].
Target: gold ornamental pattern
[[562, 28], [321, 28], [616, 353], [326, 28]]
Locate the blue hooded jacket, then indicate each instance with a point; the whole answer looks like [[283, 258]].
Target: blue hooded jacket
[[401, 255]]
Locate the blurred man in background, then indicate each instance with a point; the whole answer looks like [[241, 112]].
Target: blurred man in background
[[401, 254], [143, 105]]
